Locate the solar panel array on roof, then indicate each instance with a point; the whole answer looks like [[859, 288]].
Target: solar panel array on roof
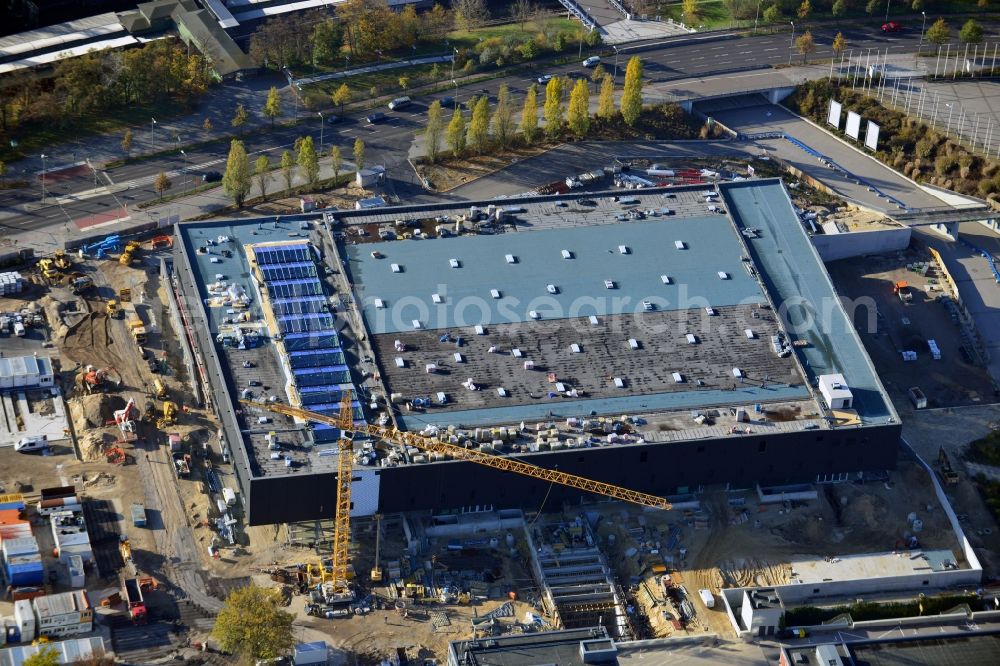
[[307, 326], [331, 374], [315, 358], [312, 340], [299, 305], [282, 254], [297, 287], [299, 269], [297, 323]]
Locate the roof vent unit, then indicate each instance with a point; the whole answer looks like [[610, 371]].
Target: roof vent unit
[[723, 275], [749, 333], [633, 343], [396, 268], [575, 348], [566, 254], [678, 378], [552, 289], [665, 279], [400, 363], [454, 263], [379, 303], [529, 365], [511, 259], [458, 357], [594, 320], [417, 325], [480, 330], [692, 339], [502, 392], [619, 382], [430, 368], [495, 293], [436, 298], [711, 311], [835, 391], [534, 314], [737, 373], [680, 245], [623, 249], [598, 651], [609, 284]]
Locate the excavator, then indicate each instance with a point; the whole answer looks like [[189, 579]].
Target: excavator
[[130, 249], [47, 268], [340, 573], [62, 260], [169, 417]]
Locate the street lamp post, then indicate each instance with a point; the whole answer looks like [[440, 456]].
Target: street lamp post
[[456, 93], [188, 179], [152, 123], [43, 177], [887, 4], [756, 16], [454, 57], [321, 124], [615, 77], [791, 45], [922, 26]]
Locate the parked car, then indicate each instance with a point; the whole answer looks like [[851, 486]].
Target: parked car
[[211, 177], [447, 102], [545, 78], [891, 26], [592, 61], [373, 118]]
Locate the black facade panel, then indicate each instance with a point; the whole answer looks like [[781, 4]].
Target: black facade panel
[[656, 468]]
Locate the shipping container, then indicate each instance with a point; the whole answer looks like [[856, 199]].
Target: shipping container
[[138, 515]]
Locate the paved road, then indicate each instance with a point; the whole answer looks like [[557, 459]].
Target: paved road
[[113, 199]]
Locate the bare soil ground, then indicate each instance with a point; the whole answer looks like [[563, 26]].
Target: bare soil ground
[[450, 174]]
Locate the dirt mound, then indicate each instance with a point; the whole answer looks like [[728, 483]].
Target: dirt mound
[[868, 511], [93, 446], [91, 411]]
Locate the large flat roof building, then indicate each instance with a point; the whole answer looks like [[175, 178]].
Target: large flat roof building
[[707, 317]]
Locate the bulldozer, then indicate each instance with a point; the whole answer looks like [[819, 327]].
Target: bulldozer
[[125, 295], [80, 282], [62, 260]]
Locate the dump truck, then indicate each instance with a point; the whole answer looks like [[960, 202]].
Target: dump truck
[[949, 475], [135, 601], [134, 323], [161, 390], [130, 249]]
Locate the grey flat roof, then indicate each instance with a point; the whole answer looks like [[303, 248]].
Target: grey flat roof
[[981, 649], [801, 288], [549, 647], [711, 246]]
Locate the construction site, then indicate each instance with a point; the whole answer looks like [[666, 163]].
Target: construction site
[[557, 415]]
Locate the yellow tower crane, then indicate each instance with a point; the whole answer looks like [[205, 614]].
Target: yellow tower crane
[[345, 422]]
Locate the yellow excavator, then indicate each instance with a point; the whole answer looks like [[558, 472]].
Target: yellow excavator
[[112, 309], [340, 571], [169, 417], [62, 260], [130, 249], [47, 268]]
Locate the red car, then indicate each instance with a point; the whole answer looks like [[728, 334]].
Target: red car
[[891, 26]]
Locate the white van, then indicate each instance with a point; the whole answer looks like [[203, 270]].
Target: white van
[[32, 443], [592, 61], [399, 103]]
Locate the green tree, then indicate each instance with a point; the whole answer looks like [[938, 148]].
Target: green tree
[[839, 8], [435, 127], [529, 115], [327, 38], [939, 33], [631, 102], [773, 14], [971, 32], [579, 109], [272, 107], [503, 118], [529, 50], [308, 160], [286, 168], [592, 38], [839, 44], [359, 154], [873, 6], [239, 118], [555, 107], [404, 82], [47, 656], [261, 168], [456, 133], [804, 10], [597, 74], [336, 164], [236, 179], [161, 184], [479, 126], [253, 625], [690, 9], [342, 95], [606, 99], [127, 143], [918, 5], [805, 45]]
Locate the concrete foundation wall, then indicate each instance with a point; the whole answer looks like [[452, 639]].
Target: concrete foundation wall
[[809, 593], [832, 247]]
